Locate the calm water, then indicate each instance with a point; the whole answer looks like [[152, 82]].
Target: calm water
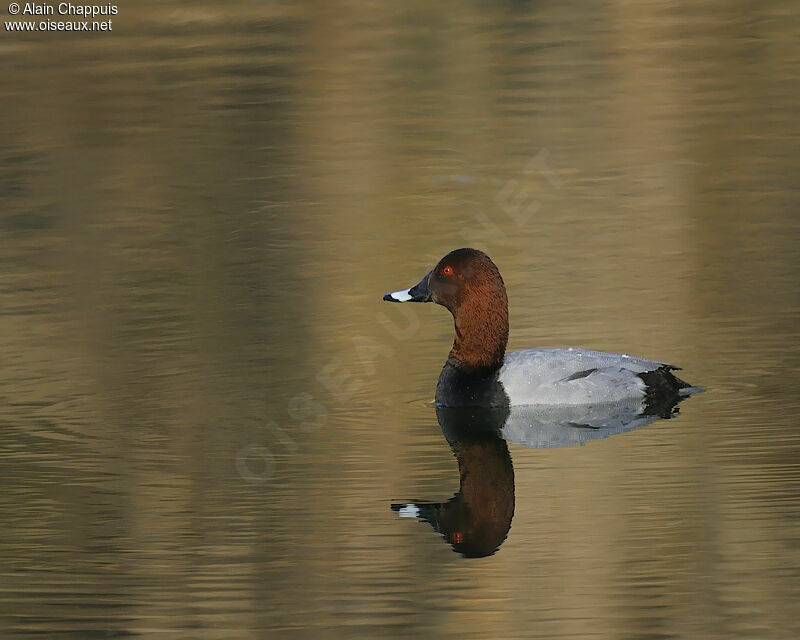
[[207, 412]]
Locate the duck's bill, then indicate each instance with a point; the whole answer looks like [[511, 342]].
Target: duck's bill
[[428, 511], [418, 293]]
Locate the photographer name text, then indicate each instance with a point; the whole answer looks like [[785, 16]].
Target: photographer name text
[[65, 9]]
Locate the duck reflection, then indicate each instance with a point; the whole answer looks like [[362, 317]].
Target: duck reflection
[[477, 519]]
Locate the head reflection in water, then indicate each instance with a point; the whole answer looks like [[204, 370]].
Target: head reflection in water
[[476, 520]]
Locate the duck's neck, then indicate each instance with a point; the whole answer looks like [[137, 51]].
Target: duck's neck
[[481, 335]]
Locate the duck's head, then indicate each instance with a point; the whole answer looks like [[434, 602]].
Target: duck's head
[[464, 277], [469, 285]]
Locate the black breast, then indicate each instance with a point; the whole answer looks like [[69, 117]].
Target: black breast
[[461, 386]]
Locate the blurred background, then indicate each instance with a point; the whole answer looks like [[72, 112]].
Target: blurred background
[[206, 409]]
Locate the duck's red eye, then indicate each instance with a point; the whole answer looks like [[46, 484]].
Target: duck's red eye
[[448, 271]]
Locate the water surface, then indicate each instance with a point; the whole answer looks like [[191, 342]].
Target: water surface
[[206, 409]]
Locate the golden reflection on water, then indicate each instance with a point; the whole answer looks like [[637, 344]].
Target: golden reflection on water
[[200, 213]]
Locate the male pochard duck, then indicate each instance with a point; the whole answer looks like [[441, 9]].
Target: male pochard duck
[[479, 373]]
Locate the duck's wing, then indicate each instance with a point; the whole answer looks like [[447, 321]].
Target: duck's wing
[[546, 426], [574, 376]]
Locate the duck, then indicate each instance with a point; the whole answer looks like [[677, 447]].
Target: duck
[[479, 373]]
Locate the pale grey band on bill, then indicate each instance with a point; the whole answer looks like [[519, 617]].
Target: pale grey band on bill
[[401, 296], [409, 510]]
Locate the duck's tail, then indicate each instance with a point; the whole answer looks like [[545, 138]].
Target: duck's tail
[[664, 390]]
